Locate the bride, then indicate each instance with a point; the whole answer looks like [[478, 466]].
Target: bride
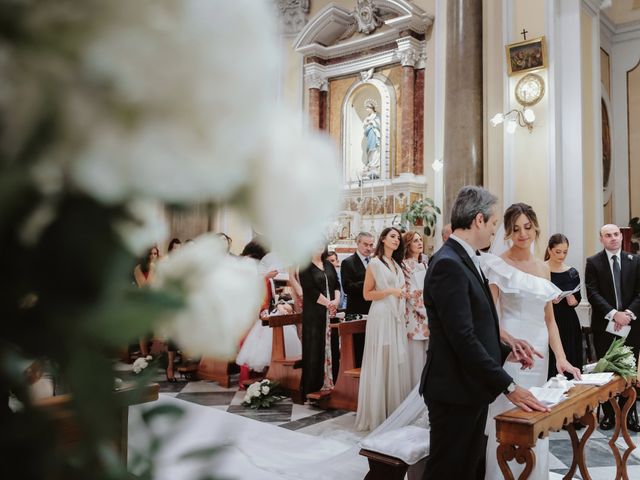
[[523, 292]]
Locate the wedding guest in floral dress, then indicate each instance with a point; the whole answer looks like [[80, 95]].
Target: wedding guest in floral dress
[[415, 269]]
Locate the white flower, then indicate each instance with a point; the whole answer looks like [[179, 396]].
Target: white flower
[[222, 295], [39, 219], [254, 390], [295, 190], [265, 389], [247, 398], [182, 111], [145, 226], [140, 364]]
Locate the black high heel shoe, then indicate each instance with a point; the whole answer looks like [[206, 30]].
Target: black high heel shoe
[[171, 379]]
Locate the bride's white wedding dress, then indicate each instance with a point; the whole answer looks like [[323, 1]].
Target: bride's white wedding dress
[[521, 310]]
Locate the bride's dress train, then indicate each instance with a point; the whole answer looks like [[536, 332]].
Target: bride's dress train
[[521, 307]]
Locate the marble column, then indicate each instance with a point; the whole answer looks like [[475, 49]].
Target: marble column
[[318, 87], [418, 131], [405, 160], [463, 107], [314, 107]]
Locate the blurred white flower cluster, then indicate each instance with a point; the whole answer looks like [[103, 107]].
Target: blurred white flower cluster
[[141, 363], [153, 102], [222, 295]]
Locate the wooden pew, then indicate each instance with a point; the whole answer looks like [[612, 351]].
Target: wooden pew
[[344, 395], [68, 435], [218, 370], [285, 370]]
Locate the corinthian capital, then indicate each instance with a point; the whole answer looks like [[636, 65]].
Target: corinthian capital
[[315, 80], [292, 14]]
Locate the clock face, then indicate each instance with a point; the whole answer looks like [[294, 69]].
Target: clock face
[[529, 89]]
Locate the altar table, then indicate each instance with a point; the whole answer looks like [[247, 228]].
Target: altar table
[[518, 431]]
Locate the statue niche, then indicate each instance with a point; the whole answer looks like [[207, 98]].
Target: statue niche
[[366, 133]]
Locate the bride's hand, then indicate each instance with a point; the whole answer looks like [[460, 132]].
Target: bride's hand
[[520, 347], [564, 366]]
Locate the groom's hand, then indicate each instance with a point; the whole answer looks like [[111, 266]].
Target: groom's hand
[[523, 398]]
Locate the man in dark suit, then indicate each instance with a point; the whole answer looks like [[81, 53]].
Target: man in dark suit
[[352, 270], [463, 373], [612, 278]]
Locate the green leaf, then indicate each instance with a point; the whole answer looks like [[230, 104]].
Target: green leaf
[[134, 314], [204, 453], [171, 411]]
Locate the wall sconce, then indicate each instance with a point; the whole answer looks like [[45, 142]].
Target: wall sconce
[[529, 91], [513, 118]]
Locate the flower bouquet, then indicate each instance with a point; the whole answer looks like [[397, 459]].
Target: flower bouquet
[[141, 363], [262, 394], [618, 359]]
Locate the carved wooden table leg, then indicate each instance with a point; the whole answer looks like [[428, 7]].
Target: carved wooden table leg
[[507, 452], [621, 425], [589, 420]]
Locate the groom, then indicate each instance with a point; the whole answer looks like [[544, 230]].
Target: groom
[[463, 373]]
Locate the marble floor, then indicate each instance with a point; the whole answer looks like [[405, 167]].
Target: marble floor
[[339, 425]]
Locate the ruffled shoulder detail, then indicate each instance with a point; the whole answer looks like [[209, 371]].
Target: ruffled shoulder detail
[[511, 280]]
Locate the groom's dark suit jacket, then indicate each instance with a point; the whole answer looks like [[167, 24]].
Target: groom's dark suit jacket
[[465, 356], [602, 296]]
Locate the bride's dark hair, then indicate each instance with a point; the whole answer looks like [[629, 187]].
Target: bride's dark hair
[[511, 215]]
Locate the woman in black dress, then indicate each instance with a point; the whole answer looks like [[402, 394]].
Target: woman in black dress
[[321, 297], [566, 279]]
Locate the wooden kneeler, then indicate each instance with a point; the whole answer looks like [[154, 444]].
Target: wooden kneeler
[[218, 370], [287, 371], [384, 467]]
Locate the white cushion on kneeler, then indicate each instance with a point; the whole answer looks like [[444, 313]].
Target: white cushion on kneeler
[[410, 444]]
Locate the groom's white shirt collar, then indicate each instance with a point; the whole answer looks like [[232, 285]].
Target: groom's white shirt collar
[[470, 251]]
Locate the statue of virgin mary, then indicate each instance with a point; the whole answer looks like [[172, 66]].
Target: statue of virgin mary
[[371, 126]]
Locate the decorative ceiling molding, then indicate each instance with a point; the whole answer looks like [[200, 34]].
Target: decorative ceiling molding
[[333, 32], [411, 50], [622, 32], [292, 15]]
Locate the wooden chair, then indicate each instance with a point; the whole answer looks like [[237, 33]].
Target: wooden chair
[[287, 371]]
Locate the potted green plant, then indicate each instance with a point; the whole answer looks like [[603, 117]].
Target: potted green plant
[[422, 212]]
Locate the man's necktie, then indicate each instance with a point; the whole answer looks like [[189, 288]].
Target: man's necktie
[[476, 261], [366, 260], [617, 280]]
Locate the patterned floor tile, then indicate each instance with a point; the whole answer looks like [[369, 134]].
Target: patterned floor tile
[[208, 398], [278, 413], [206, 386]]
